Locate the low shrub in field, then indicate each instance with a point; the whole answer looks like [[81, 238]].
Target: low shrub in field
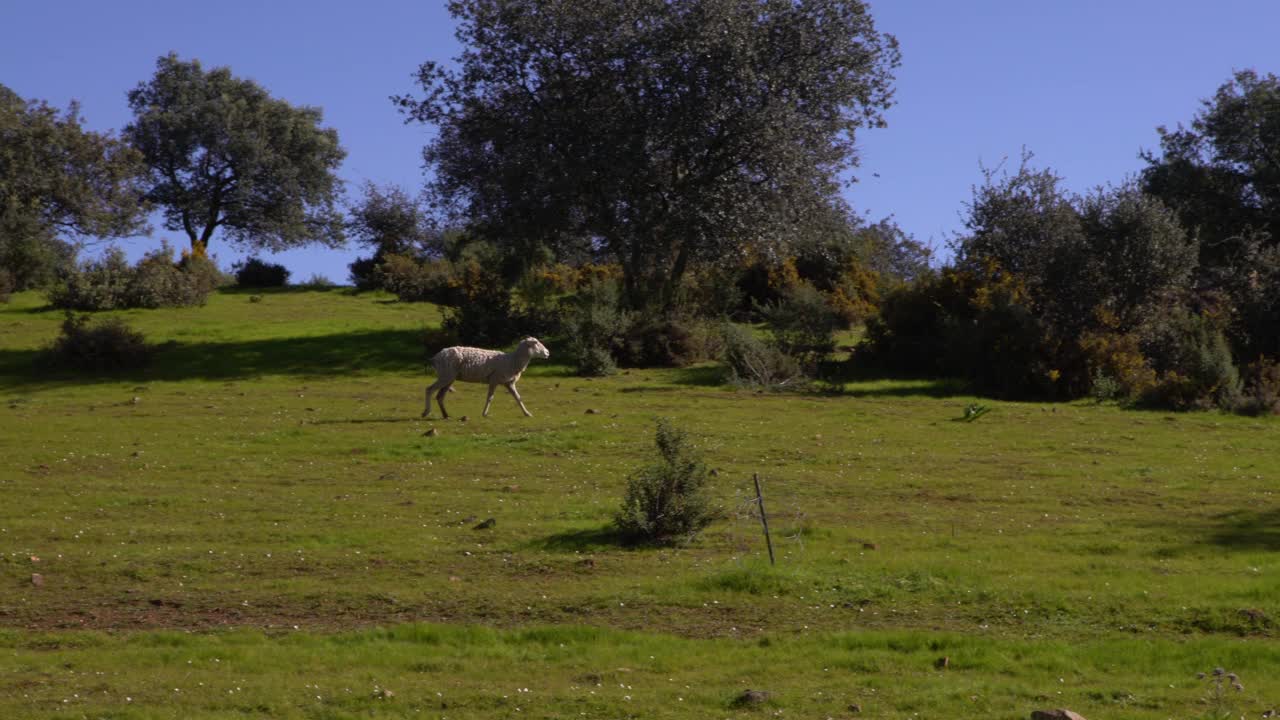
[[657, 341], [668, 502], [107, 345], [755, 363], [101, 284], [483, 315], [593, 326], [803, 324], [109, 283], [413, 281], [257, 273], [318, 282], [1193, 360], [1262, 389]]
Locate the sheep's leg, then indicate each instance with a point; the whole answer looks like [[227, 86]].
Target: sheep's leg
[[511, 387], [440, 400], [426, 412], [489, 400]]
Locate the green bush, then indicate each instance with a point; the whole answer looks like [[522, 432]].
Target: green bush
[[101, 284], [1262, 389], [255, 273], [363, 273], [413, 281], [803, 324], [1191, 356], [657, 341], [106, 346], [668, 501], [483, 315], [594, 326], [754, 363], [109, 283], [158, 282]]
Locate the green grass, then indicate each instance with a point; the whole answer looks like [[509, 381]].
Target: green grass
[[264, 494]]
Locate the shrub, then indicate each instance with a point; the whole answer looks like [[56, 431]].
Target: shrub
[[255, 273], [1118, 369], [754, 363], [413, 281], [1262, 388], [658, 341], [1193, 360], [803, 325], [593, 326], [363, 273], [318, 282], [667, 501], [483, 315], [101, 284], [536, 298], [158, 282], [202, 273], [109, 345]]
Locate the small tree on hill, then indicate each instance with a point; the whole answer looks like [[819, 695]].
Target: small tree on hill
[[226, 155]]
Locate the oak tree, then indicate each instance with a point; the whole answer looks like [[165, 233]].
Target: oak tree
[[660, 133]]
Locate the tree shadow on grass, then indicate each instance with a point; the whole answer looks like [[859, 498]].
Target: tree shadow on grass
[[605, 537], [352, 353], [1246, 530]]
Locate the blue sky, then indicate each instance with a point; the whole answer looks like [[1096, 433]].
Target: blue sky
[[1082, 84]]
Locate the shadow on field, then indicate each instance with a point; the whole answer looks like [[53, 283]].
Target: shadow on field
[[353, 353], [601, 538], [1247, 530]]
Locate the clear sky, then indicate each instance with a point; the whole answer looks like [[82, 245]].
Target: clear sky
[[1081, 83]]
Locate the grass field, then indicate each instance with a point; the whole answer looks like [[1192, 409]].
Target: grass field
[[257, 526]]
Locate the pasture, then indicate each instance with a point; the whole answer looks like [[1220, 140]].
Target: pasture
[[258, 526]]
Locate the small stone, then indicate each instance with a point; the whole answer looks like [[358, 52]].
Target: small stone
[[1059, 714], [751, 698], [855, 708], [431, 433], [37, 579], [454, 579], [592, 411], [487, 524], [136, 400], [715, 472]]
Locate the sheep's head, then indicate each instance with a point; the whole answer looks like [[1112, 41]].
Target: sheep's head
[[536, 348]]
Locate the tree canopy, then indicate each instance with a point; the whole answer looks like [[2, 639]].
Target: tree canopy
[[662, 133], [224, 154], [56, 178], [1222, 174]]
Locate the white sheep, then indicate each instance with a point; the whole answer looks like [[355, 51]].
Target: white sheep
[[476, 365]]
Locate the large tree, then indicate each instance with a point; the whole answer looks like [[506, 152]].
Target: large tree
[[58, 179], [661, 132], [224, 154], [1222, 174]]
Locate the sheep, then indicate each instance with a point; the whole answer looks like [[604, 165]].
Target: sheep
[[476, 365]]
